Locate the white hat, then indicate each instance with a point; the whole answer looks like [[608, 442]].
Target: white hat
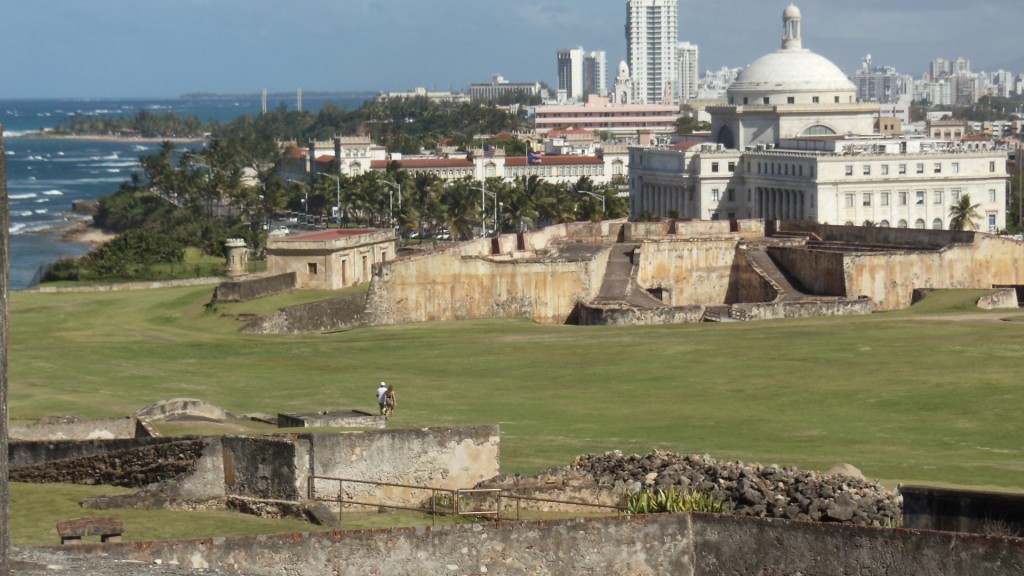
[[383, 383]]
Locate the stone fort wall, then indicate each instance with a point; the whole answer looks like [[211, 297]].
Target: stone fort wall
[[655, 544]]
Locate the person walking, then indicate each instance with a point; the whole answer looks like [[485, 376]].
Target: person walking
[[381, 390], [389, 402]]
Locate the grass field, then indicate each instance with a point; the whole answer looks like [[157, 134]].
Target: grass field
[[930, 395]]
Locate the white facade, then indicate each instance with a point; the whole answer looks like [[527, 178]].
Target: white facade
[[570, 73], [595, 73], [793, 143], [689, 71], [652, 37]]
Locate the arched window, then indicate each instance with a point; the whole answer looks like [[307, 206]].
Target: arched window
[[725, 137], [848, 223], [883, 224], [819, 130], [937, 224], [901, 224], [919, 223]]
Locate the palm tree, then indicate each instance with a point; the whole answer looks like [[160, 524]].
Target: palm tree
[[963, 214]]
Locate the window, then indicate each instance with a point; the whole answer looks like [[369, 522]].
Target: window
[[919, 224], [714, 166], [867, 199], [765, 99], [849, 200], [919, 198], [884, 199], [903, 168], [731, 192], [883, 224], [867, 169], [937, 197], [938, 168], [730, 100], [920, 168], [991, 195], [956, 167], [937, 224], [714, 195], [849, 169], [311, 268], [790, 100], [901, 224], [815, 99], [837, 100], [903, 199], [732, 166], [991, 166], [744, 99]]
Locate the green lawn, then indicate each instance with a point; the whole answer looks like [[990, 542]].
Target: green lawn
[[931, 395]]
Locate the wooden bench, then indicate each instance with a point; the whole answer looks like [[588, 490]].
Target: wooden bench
[[108, 529]]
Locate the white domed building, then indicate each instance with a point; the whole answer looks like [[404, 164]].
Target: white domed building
[[792, 142], [787, 93]]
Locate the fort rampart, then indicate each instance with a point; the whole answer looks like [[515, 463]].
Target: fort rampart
[[658, 544]]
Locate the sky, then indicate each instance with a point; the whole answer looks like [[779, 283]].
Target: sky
[[166, 48]]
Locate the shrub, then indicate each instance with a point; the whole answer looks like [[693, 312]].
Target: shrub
[[655, 501]]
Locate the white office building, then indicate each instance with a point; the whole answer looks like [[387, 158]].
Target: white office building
[[689, 71], [652, 38], [793, 142]]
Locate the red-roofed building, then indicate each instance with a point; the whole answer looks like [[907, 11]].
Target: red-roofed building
[[330, 259]]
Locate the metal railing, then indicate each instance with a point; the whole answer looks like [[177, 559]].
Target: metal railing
[[444, 501]]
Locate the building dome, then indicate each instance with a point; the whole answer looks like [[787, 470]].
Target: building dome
[[792, 69], [785, 71]]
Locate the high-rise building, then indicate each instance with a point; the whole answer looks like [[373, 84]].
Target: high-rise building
[[570, 73], [581, 74], [689, 71], [652, 38], [595, 73]]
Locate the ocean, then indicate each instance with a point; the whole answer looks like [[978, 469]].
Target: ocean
[[45, 175]]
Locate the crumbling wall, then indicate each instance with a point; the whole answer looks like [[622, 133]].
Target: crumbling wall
[[322, 316], [446, 285], [803, 309], [818, 272], [79, 429], [618, 315], [242, 290], [437, 457], [694, 272], [685, 543], [1002, 298], [890, 278], [133, 468]]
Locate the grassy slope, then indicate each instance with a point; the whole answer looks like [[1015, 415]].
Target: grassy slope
[[921, 396]]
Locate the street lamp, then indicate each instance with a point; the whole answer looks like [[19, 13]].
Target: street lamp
[[337, 189], [601, 196], [391, 200]]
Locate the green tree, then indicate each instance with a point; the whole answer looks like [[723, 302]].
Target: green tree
[[963, 214]]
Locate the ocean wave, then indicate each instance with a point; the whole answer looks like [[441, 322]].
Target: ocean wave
[[24, 213], [53, 193], [42, 200], [40, 211], [140, 148], [114, 170], [125, 164], [23, 196], [16, 133]]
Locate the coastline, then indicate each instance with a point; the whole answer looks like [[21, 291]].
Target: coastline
[[82, 232], [106, 137]]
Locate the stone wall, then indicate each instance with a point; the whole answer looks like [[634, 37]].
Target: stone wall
[[456, 284], [657, 544], [878, 236], [243, 290], [818, 272], [1002, 298], [599, 315], [990, 513], [746, 284], [691, 272], [27, 453], [889, 278], [80, 429], [323, 316], [803, 309]]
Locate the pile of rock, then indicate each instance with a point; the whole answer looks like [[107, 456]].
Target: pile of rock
[[752, 489]]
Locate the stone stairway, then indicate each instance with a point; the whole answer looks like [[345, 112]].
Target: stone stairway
[[619, 283], [763, 264]]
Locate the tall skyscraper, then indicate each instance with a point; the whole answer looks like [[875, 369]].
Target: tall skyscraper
[[595, 73], [689, 71], [652, 38], [570, 73]]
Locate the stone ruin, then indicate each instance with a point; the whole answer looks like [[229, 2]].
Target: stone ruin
[[842, 495]]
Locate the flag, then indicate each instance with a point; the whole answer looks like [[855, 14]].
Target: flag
[[532, 158], [488, 151]]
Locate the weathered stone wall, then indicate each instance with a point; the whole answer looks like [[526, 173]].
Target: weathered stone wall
[[692, 272], [818, 272], [990, 513], [262, 467], [26, 453], [890, 278], [437, 457], [133, 468], [746, 284], [599, 315], [449, 285], [243, 290], [876, 235], [657, 544], [803, 309], [79, 429], [1002, 298], [323, 316]]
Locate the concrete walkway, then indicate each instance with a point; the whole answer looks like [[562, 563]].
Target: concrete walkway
[[619, 284]]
